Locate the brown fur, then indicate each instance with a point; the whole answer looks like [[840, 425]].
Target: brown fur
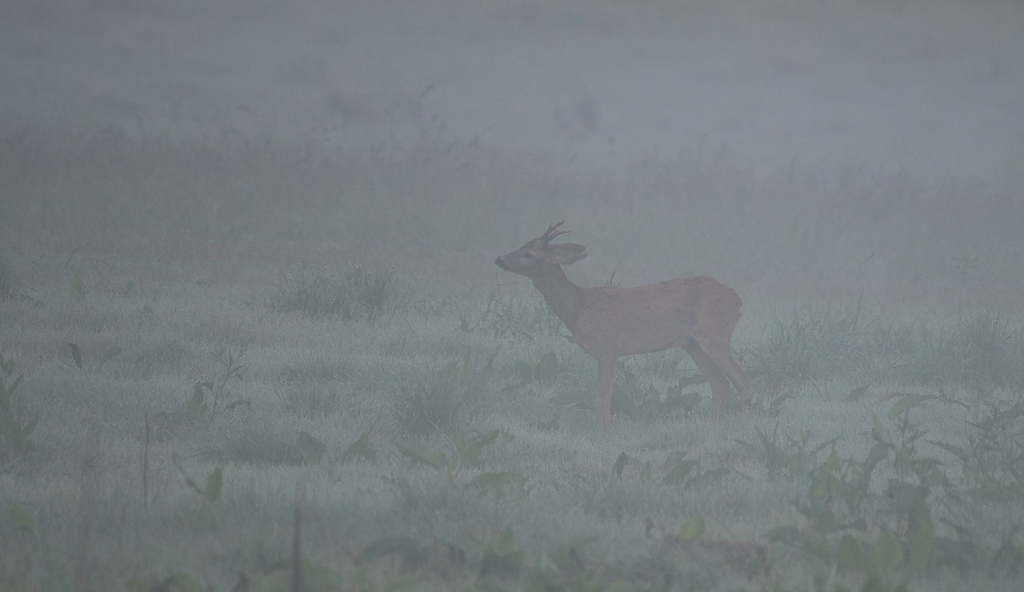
[[697, 314]]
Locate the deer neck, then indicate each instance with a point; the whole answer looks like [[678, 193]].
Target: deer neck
[[564, 297]]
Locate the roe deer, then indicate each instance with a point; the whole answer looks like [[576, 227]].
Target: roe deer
[[697, 314]]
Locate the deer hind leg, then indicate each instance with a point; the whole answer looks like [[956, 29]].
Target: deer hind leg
[[739, 379], [603, 392], [720, 354], [713, 374]]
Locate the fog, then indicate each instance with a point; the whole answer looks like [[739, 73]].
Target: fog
[[250, 306], [766, 131]]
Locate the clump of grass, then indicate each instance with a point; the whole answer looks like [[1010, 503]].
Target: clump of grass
[[358, 293], [979, 351], [444, 400], [894, 345], [809, 346], [988, 351]]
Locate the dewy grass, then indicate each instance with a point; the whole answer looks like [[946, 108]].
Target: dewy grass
[[447, 398], [358, 293], [980, 350], [990, 351], [439, 461], [811, 344]]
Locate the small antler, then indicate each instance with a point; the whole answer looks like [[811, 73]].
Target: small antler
[[552, 232]]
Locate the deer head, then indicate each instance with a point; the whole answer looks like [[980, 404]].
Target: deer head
[[536, 257]]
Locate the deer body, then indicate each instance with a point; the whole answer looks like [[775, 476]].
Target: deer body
[[697, 314]]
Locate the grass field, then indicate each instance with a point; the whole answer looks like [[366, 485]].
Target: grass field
[[191, 373], [252, 336]]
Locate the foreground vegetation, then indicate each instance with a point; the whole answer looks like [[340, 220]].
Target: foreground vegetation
[[183, 425]]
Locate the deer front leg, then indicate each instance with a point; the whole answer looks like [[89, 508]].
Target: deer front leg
[[603, 392]]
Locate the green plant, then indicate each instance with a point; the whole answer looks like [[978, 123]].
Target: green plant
[[217, 389], [676, 470], [16, 424], [109, 354], [633, 397], [502, 558], [361, 449], [793, 459], [205, 399], [166, 423], [992, 459], [464, 453], [884, 535], [209, 493]]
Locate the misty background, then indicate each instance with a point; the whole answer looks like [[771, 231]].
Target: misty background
[[820, 147], [247, 275]]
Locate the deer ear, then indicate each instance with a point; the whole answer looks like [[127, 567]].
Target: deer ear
[[566, 253]]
